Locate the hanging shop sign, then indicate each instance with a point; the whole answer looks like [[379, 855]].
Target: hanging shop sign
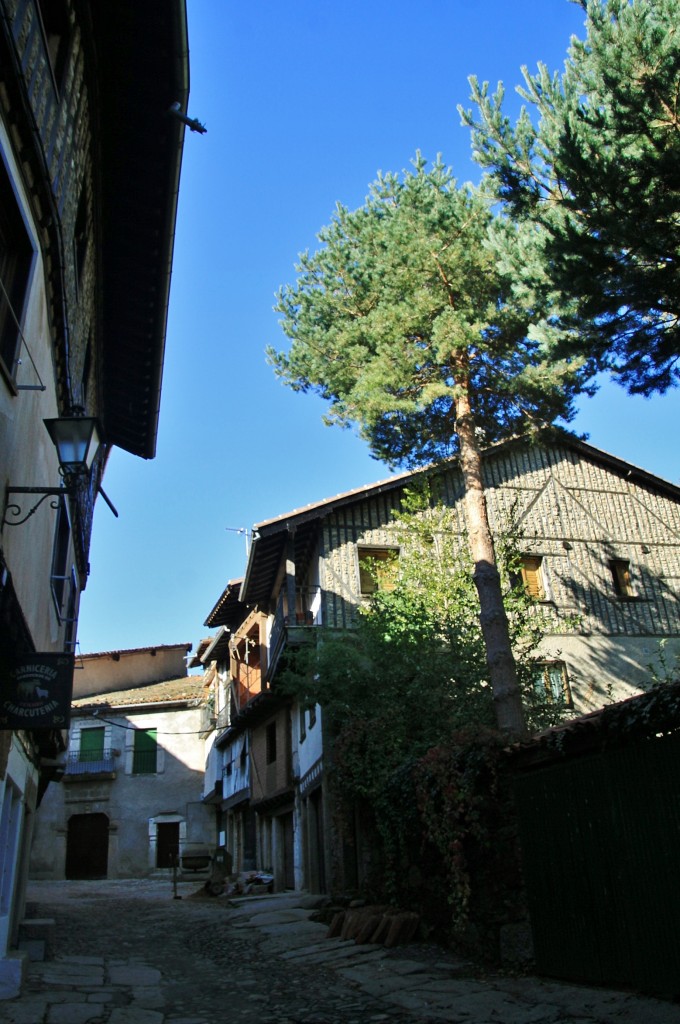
[[36, 691]]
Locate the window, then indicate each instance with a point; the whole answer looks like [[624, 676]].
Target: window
[[16, 256], [91, 753], [378, 569], [312, 716], [303, 730], [87, 369], [552, 683], [80, 238], [92, 744], [620, 570], [144, 758], [55, 28], [271, 742], [60, 576], [531, 576], [71, 618]]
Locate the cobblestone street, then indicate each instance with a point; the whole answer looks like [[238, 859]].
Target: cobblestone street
[[129, 953]]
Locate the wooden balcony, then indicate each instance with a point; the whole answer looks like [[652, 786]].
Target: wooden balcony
[[293, 629]]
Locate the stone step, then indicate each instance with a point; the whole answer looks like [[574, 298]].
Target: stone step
[[37, 936]]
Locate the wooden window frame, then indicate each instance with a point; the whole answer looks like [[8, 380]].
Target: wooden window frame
[[532, 577], [270, 743], [17, 256], [366, 553], [55, 29], [90, 732], [622, 579], [544, 668], [141, 753], [61, 574]]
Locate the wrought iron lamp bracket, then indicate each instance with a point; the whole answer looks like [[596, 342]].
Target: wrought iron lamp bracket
[[14, 509]]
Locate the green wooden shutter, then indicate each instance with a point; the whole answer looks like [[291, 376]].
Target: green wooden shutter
[[92, 744], [144, 757]]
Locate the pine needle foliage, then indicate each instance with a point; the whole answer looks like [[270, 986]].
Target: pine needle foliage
[[593, 164], [412, 322]]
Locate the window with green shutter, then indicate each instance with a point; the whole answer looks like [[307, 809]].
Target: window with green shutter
[[92, 744], [144, 758]]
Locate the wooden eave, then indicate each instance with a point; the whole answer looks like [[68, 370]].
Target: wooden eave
[[270, 536], [137, 66], [228, 610]]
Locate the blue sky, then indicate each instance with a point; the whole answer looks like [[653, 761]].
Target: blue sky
[[304, 101]]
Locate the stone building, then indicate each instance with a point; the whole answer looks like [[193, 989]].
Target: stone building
[[89, 171], [130, 802], [600, 546]]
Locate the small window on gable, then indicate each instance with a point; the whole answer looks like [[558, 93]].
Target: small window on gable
[[552, 683], [16, 257], [532, 576], [623, 585], [271, 742], [378, 568], [244, 755]]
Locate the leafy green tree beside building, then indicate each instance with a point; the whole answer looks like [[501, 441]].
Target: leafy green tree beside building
[[412, 322]]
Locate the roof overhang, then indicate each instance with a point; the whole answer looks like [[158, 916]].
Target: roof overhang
[[270, 537], [139, 67], [228, 610]]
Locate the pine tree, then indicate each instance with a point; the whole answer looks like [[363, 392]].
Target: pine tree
[[407, 320], [594, 164]]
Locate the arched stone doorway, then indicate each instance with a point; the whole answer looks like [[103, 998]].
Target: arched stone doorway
[[87, 846]]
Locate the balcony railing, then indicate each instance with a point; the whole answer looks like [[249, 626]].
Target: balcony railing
[[293, 626], [144, 762], [90, 762]]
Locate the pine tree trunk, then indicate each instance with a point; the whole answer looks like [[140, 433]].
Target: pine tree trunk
[[494, 622]]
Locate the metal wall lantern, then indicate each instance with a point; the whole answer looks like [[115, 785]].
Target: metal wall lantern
[[76, 439]]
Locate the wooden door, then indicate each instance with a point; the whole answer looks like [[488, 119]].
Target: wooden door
[[288, 851], [167, 844], [87, 846]]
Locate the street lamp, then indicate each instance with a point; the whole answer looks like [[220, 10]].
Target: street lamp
[[76, 439]]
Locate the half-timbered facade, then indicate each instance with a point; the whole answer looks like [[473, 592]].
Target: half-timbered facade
[[600, 543]]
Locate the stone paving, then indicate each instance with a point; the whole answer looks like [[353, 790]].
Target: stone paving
[[129, 953]]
